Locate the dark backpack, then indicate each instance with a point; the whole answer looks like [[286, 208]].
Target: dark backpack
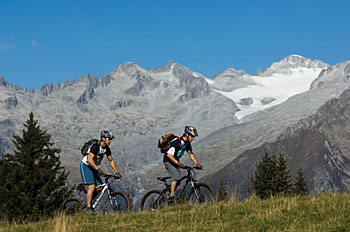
[[165, 140], [84, 149]]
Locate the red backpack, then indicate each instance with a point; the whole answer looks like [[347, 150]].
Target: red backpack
[[165, 140]]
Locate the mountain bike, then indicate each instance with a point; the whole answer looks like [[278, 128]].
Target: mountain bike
[[116, 202], [196, 193]]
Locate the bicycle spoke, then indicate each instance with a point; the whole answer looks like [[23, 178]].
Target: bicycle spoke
[[72, 206], [153, 200], [118, 203], [202, 193]]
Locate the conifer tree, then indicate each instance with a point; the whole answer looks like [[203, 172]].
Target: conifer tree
[[271, 177], [263, 184], [222, 192], [300, 186], [33, 180], [283, 177]]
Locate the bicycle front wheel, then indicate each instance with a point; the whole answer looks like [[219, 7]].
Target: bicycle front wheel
[[153, 200], [72, 206], [119, 202], [201, 193]]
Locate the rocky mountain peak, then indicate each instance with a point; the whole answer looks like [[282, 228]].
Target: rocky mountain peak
[[3, 82], [128, 67], [164, 68], [293, 61], [47, 89], [338, 74], [86, 78], [231, 73]]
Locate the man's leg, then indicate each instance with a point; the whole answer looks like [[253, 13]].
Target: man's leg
[[88, 178], [172, 188], [175, 174], [91, 189]]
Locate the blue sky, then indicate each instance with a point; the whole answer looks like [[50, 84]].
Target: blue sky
[[49, 41]]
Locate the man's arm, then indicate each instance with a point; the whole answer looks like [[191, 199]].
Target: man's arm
[[112, 163], [193, 157], [91, 161], [172, 158]]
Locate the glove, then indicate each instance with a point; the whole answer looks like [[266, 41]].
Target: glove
[[199, 166], [181, 165], [100, 172], [118, 175]]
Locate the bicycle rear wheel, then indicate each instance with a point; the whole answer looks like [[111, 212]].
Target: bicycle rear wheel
[[201, 193], [118, 203], [153, 200], [72, 206]]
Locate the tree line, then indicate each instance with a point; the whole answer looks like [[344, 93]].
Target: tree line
[[272, 178]]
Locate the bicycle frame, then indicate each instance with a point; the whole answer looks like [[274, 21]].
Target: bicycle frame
[[198, 192], [106, 187], [189, 179]]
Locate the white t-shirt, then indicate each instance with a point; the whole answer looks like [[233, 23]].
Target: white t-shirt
[[99, 153]]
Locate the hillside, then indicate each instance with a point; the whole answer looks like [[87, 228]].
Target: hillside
[[311, 213], [317, 144]]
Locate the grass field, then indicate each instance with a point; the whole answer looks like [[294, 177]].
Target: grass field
[[326, 212]]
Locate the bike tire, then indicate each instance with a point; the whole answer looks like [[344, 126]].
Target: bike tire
[[72, 206], [201, 193], [119, 203], [153, 200]]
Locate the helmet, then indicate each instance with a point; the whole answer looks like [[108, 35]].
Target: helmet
[[191, 130], [107, 134]]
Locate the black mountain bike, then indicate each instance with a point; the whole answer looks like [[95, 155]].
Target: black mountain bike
[[196, 193], [116, 202]]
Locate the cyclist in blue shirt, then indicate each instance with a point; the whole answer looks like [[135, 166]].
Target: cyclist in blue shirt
[[89, 167], [175, 150]]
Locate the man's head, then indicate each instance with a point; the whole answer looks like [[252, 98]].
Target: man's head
[[190, 133], [106, 137]]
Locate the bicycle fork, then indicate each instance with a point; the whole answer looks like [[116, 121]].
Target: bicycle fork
[[195, 190], [113, 200]]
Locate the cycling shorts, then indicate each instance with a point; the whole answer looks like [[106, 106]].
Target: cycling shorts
[[173, 171], [89, 175]]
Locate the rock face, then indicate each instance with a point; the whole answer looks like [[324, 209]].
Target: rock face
[[267, 100], [318, 144], [246, 101], [136, 104], [232, 79], [139, 105]]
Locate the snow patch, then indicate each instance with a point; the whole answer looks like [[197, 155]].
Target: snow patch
[[210, 81], [277, 86]]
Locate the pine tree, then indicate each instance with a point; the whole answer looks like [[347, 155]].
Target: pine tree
[[33, 180], [222, 192], [264, 182], [283, 177], [271, 177], [300, 186]]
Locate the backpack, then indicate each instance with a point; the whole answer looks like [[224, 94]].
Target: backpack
[[84, 149], [165, 140]]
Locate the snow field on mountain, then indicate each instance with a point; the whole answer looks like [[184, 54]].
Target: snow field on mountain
[[278, 86]]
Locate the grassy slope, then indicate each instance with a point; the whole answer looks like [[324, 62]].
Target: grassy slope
[[311, 213]]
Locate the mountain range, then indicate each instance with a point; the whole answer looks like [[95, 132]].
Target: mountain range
[[296, 106]]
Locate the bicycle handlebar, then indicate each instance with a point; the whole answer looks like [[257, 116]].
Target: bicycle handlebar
[[194, 167], [107, 177]]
